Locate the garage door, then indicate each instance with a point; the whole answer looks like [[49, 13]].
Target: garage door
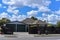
[[12, 27], [20, 28]]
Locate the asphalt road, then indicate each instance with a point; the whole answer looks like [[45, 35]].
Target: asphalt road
[[26, 36], [32, 38]]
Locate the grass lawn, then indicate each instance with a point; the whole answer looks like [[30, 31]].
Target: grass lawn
[[44, 35]]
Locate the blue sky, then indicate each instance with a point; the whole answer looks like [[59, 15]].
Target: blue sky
[[48, 10]]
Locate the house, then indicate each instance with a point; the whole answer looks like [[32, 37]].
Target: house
[[17, 26], [23, 26], [30, 21]]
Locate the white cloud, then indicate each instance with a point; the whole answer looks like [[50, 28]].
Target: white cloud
[[42, 6], [57, 0], [40, 18], [13, 17], [8, 2], [21, 17], [44, 14], [53, 18], [12, 10], [44, 9], [32, 13], [47, 2], [0, 5], [50, 18], [4, 15], [31, 3], [17, 18], [16, 11], [57, 12]]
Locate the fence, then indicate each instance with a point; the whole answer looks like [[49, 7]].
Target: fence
[[44, 30]]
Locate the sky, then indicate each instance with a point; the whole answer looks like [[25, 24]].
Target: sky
[[19, 10]]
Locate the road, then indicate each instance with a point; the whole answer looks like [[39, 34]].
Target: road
[[26, 36], [32, 38]]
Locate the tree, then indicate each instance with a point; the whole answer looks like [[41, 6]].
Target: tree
[[34, 18], [49, 25], [58, 24], [4, 20]]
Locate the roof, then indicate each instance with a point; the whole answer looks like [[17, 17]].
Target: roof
[[15, 22], [39, 22], [31, 21], [28, 21]]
